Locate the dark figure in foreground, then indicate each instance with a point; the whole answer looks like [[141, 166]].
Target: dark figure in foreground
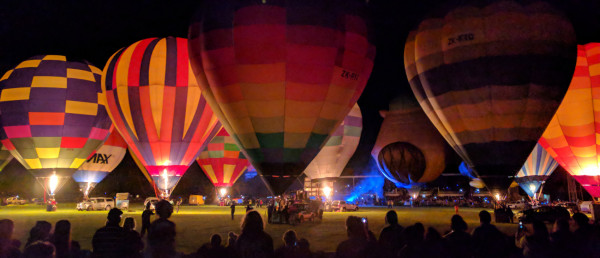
[[232, 209], [254, 241], [488, 241], [39, 249], [414, 237], [289, 247], [535, 242], [61, 239], [458, 241], [133, 241], [9, 247], [161, 234], [358, 244], [586, 240], [561, 239], [214, 249], [108, 240], [39, 232], [146, 219], [390, 238]]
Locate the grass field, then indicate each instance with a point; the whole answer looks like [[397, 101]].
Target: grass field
[[195, 224]]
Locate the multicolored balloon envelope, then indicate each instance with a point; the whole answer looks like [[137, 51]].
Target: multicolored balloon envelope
[[408, 150], [490, 75], [222, 161], [281, 75], [102, 162], [571, 136], [156, 104], [52, 119], [5, 156], [333, 157], [536, 170]]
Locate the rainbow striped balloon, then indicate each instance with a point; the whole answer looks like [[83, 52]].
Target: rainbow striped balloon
[[222, 161]]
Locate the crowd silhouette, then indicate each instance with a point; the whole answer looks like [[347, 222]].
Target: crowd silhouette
[[575, 237]]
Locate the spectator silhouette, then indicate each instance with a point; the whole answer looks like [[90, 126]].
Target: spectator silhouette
[[132, 240], [434, 243], [39, 232], [39, 249], [108, 240], [231, 239], [390, 238], [254, 241], [357, 244], [586, 242], [214, 249], [488, 241], [562, 239], [414, 237], [161, 234], [9, 248], [289, 245], [458, 241], [536, 243], [146, 219], [303, 249], [61, 239]]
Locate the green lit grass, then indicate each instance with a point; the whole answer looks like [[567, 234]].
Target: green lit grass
[[195, 224]]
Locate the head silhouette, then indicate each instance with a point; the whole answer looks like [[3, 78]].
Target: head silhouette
[[355, 227], [252, 223], [581, 219], [485, 217], [457, 223], [215, 240], [289, 237], [391, 217], [114, 216], [164, 209], [7, 228], [129, 224]]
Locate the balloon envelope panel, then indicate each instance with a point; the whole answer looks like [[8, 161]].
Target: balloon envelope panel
[[222, 161], [158, 107], [408, 148], [281, 75], [103, 161], [52, 119], [333, 157], [571, 135], [538, 167], [488, 87]]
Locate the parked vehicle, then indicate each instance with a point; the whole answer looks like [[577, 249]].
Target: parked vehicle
[[152, 201], [16, 200], [343, 206], [301, 212], [544, 213], [516, 205], [96, 203], [570, 206]]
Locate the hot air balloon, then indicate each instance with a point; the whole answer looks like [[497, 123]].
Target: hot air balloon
[[465, 170], [52, 119], [5, 156], [408, 150], [571, 135], [490, 75], [156, 104], [333, 157], [102, 162], [281, 75], [535, 171], [222, 161]]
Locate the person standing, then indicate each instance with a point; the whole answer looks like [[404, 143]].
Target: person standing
[[108, 240], [146, 219], [232, 209], [178, 203]]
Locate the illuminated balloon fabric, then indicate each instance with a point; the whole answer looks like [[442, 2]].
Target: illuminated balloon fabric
[[408, 148], [102, 162], [536, 170], [222, 161], [465, 170], [5, 156], [571, 136], [281, 75], [156, 104], [51, 116], [333, 157], [490, 78]]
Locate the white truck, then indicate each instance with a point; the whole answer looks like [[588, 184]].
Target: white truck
[[15, 200], [96, 203], [343, 206]]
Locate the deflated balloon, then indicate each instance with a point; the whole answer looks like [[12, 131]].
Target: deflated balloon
[[156, 104], [281, 75], [222, 161], [571, 136], [490, 75], [333, 157], [408, 149], [538, 167], [52, 119]]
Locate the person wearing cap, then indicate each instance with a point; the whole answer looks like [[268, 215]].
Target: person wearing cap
[[108, 240]]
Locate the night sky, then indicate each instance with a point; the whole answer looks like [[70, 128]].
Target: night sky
[[94, 30]]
